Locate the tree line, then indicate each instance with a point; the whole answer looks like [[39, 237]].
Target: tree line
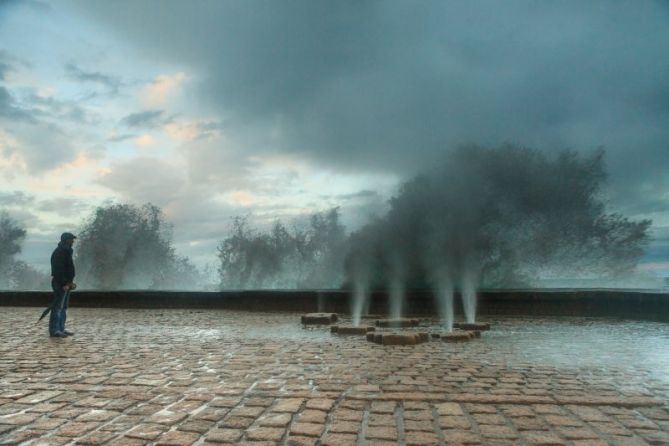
[[501, 217]]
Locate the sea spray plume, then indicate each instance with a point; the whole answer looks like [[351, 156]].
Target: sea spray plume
[[12, 235], [283, 258], [123, 246], [359, 268], [504, 217]]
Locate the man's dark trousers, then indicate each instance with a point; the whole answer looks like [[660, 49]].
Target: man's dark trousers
[[58, 309]]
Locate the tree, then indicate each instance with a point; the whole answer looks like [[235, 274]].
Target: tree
[[126, 246], [12, 236], [505, 216]]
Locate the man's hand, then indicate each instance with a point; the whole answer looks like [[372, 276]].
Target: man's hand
[[66, 287]]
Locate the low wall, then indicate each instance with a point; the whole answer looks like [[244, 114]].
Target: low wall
[[597, 303]]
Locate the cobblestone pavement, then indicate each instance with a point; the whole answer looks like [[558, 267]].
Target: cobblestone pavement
[[180, 377]]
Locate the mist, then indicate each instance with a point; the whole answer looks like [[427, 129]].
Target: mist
[[504, 217]]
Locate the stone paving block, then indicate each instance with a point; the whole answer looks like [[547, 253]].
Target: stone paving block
[[518, 411], [542, 438], [265, 434], [298, 440], [382, 433], [76, 429], [333, 439], [421, 439], [291, 405], [98, 415], [587, 413], [18, 419], [320, 404], [560, 420], [198, 426], [307, 429], [454, 422], [529, 424], [497, 432], [47, 424], [211, 414], [228, 402], [483, 418], [381, 420], [96, 438], [347, 427], [577, 433], [415, 425], [461, 437], [451, 409], [237, 422], [39, 397], [383, 406], [347, 415], [248, 411], [177, 438], [312, 416], [222, 435], [611, 429], [275, 420], [146, 431]]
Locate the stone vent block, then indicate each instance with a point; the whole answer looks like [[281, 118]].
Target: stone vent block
[[398, 338], [319, 318], [480, 326], [351, 330], [397, 323], [457, 336]]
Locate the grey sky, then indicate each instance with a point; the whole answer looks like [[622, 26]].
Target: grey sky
[[359, 88]]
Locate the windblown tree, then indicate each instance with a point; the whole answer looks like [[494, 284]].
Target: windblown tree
[[283, 258], [500, 217], [123, 246]]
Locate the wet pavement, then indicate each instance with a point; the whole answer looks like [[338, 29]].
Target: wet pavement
[[181, 377]]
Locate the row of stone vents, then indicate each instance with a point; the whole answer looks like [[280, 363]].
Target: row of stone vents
[[462, 331]]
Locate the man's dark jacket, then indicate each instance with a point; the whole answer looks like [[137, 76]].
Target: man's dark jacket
[[62, 266]]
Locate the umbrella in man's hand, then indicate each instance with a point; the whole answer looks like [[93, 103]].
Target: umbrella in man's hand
[[49, 308]]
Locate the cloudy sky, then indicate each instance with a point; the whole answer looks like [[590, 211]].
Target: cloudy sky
[[276, 109]]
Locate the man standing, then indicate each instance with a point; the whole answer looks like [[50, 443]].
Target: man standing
[[62, 276]]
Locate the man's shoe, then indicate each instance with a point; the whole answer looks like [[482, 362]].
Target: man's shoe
[[68, 333], [59, 334]]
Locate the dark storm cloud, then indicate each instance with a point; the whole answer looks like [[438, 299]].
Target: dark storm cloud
[[75, 72], [390, 85], [144, 119]]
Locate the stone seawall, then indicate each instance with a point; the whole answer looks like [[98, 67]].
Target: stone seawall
[[563, 302]]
